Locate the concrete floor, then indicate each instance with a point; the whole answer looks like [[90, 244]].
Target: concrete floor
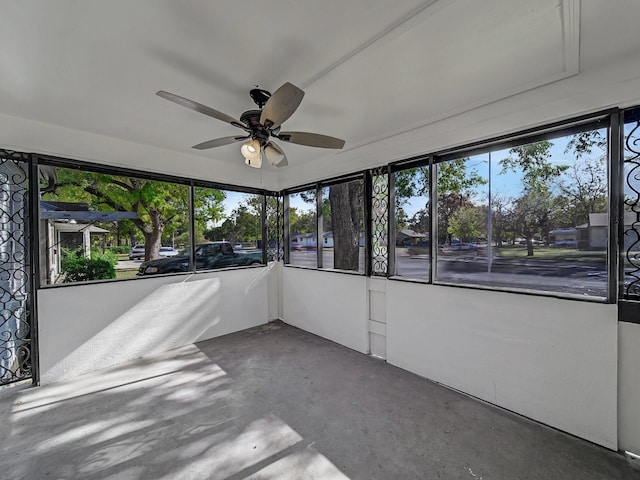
[[275, 402]]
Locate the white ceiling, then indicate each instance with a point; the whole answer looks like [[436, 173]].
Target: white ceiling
[[79, 77]]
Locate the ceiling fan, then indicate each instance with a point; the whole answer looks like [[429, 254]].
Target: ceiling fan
[[261, 126]]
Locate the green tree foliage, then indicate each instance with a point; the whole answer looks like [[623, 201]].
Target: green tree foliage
[[532, 215], [455, 177], [242, 225], [160, 206], [465, 223], [533, 161], [532, 211], [302, 222], [448, 205], [583, 190]]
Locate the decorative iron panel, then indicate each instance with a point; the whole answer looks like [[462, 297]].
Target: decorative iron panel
[[631, 289], [380, 221], [15, 321], [275, 228]]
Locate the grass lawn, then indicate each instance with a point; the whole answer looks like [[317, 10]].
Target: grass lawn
[[551, 253], [126, 272]]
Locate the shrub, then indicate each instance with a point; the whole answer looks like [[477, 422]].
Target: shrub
[[77, 268]]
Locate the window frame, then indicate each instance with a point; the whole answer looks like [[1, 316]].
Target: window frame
[[38, 160], [363, 176]]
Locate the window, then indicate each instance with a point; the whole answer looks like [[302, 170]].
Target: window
[[303, 229], [531, 216], [228, 228], [90, 221], [342, 226], [412, 223]]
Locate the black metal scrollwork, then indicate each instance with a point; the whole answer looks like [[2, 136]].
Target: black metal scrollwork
[[15, 327], [632, 204], [380, 221], [275, 227]]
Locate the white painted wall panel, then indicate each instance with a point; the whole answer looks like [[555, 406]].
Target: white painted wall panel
[[332, 305], [629, 387], [549, 359], [275, 290], [89, 327]]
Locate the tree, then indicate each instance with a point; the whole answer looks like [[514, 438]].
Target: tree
[[421, 220], [448, 204], [502, 221], [346, 221], [302, 222], [465, 223], [454, 178], [532, 211], [532, 160], [531, 215], [585, 189], [157, 204]]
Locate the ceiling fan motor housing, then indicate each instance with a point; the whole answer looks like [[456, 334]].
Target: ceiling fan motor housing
[[251, 118]]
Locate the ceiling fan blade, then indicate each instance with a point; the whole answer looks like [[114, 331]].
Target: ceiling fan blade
[[198, 107], [281, 105], [218, 142], [275, 155], [311, 139]]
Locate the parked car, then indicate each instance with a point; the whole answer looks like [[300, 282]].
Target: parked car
[[137, 252], [208, 255], [168, 252]]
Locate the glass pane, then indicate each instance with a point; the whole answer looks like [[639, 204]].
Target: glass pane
[[303, 228], [413, 223], [343, 241], [228, 229], [531, 217], [97, 226]]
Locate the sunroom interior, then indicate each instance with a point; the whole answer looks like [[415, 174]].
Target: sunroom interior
[[420, 91]]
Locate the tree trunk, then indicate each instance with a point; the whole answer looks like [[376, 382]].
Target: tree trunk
[[529, 246], [345, 214], [153, 236]]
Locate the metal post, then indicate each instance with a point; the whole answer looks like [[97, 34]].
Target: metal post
[[192, 228], [319, 224], [263, 230], [368, 201], [391, 224], [490, 228], [433, 214], [615, 267], [34, 253], [286, 242]]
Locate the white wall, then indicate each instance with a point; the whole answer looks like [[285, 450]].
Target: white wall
[[93, 326], [552, 360], [629, 387], [332, 305], [30, 136]]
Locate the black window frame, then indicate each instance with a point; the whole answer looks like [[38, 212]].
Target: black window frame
[[38, 160]]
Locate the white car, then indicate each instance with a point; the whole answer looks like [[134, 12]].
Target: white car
[[137, 252], [168, 252]]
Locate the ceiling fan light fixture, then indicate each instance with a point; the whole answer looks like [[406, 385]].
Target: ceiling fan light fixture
[[251, 151], [254, 163], [274, 156]]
